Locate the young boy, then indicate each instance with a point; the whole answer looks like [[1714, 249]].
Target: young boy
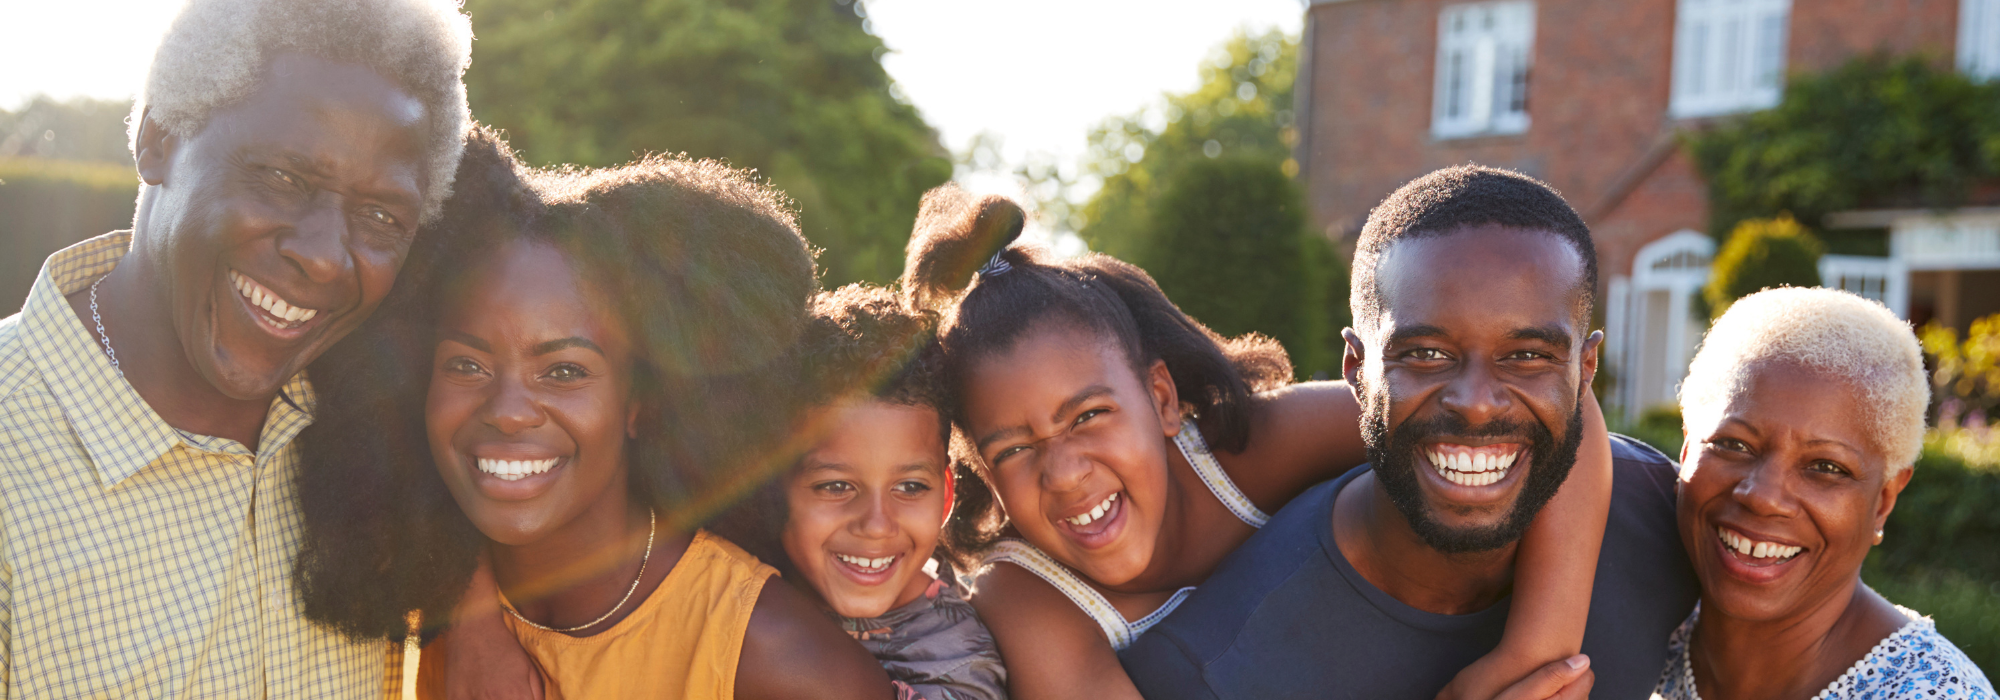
[[868, 498]]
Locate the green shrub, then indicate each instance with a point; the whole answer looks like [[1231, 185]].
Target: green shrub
[[45, 205], [1759, 254], [1946, 518], [1967, 609], [1659, 426], [1968, 371], [1875, 132], [1231, 249]]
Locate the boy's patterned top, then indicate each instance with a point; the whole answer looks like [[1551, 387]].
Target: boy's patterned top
[[935, 648], [137, 560], [1913, 663]]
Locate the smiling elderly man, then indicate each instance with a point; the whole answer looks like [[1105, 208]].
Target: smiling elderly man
[[1472, 298], [151, 386]]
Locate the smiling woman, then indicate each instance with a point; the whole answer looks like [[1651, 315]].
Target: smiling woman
[[1805, 413], [555, 384]]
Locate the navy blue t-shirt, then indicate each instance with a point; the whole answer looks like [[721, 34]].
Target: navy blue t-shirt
[[1286, 615]]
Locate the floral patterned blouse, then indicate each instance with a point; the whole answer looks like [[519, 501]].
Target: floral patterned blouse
[[1914, 662]]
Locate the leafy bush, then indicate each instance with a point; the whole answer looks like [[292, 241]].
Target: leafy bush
[[1967, 609], [1231, 248], [1876, 132], [1946, 519], [793, 88], [1759, 254], [45, 205], [1659, 426], [1968, 372]]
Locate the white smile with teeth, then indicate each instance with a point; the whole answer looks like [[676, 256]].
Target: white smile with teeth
[[868, 565], [269, 301], [1095, 513], [1754, 549], [515, 469], [1475, 467]]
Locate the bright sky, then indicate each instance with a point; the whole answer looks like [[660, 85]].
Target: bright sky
[[1037, 74]]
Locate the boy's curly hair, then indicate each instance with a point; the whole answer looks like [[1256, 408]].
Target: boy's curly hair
[[861, 340]]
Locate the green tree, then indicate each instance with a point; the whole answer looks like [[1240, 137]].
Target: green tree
[[1232, 249], [1875, 132], [1243, 109], [1759, 254], [793, 88], [1205, 202]]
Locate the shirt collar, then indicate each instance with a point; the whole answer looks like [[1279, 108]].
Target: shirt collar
[[119, 431]]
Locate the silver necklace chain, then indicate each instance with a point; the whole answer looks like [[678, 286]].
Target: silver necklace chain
[[652, 520], [101, 336]]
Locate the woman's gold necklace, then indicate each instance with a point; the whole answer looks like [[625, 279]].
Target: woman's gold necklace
[[652, 520]]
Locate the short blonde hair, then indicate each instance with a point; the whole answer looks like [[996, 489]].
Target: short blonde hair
[[215, 52], [1824, 330]]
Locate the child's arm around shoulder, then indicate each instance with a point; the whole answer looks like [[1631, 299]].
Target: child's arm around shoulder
[[1053, 650], [1300, 435], [793, 651], [1555, 567]]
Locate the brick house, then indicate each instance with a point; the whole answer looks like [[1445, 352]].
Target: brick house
[[1588, 95]]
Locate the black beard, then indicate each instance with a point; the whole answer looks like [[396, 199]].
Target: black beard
[[1395, 458]]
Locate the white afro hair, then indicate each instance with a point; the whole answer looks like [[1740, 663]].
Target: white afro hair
[[216, 50], [1823, 330]]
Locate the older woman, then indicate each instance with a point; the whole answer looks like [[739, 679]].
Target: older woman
[[1804, 412]]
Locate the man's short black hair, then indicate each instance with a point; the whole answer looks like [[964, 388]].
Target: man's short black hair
[[1451, 199]]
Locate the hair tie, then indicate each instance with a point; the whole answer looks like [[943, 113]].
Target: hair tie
[[995, 266]]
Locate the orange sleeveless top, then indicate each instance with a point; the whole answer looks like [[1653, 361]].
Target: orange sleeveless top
[[682, 642]]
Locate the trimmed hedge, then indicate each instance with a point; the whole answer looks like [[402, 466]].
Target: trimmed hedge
[[46, 205], [1232, 248]]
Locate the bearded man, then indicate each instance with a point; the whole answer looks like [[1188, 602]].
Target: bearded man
[[1472, 299], [152, 384]]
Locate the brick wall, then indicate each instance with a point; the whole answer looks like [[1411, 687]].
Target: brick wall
[[1597, 100]]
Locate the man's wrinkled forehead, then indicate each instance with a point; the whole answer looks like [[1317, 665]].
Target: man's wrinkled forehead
[[1523, 280]]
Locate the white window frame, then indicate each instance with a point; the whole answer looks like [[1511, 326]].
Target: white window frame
[[1485, 51], [1979, 38], [1729, 56]]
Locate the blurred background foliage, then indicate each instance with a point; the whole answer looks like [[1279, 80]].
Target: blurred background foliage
[[1200, 192], [1759, 254], [65, 175], [1243, 109], [82, 128], [1231, 247], [792, 88], [1967, 379], [1876, 132]]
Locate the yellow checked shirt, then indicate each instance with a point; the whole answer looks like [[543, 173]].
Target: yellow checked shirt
[[138, 561]]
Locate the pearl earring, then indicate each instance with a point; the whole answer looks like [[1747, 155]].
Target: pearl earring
[[1878, 537]]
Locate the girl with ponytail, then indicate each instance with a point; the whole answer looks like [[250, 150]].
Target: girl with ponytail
[[1119, 450]]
